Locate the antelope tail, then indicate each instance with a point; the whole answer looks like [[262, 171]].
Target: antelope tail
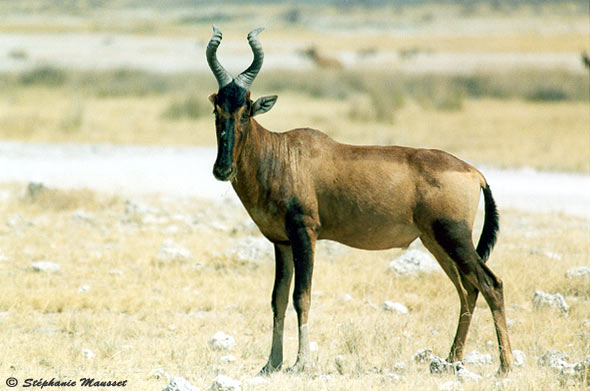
[[491, 225]]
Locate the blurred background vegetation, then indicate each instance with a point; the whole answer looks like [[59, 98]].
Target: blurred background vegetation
[[442, 74]]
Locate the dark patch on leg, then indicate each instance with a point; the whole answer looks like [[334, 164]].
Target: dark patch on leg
[[302, 251], [455, 238]]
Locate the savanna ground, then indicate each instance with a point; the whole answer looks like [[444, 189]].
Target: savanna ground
[[141, 313]]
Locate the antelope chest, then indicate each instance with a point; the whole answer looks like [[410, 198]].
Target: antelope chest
[[270, 221]]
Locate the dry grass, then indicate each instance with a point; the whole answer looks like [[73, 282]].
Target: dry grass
[[141, 314]]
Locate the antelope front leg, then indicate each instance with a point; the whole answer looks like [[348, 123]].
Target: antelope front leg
[[303, 244], [280, 299]]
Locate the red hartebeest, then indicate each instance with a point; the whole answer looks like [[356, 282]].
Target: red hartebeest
[[301, 186]]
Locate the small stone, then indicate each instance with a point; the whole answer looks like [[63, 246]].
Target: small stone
[[543, 299], [170, 252], [439, 365], [222, 341], [476, 358], [465, 374], [313, 347], [413, 262], [159, 373], [519, 358], [178, 383], [423, 355], [45, 266], [346, 297], [171, 230], [88, 354], [399, 367], [395, 307], [555, 360], [251, 249], [393, 377], [578, 272], [227, 359], [226, 383], [83, 289]]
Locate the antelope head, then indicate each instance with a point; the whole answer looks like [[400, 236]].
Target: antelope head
[[232, 105]]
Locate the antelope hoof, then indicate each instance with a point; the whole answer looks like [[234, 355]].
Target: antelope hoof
[[503, 371], [268, 369], [300, 366]]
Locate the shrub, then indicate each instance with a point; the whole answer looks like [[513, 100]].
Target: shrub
[[43, 75], [191, 107]]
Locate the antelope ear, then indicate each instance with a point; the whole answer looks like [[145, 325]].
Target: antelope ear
[[212, 98], [263, 104]]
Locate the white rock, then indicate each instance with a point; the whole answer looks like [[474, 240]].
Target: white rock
[[170, 252], [115, 272], [440, 365], [83, 289], [399, 367], [179, 383], [346, 297], [519, 357], [3, 258], [423, 355], [465, 374], [45, 266], [543, 299], [395, 307], [225, 383], [159, 373], [476, 358], [83, 216], [578, 272], [393, 377], [222, 341], [414, 262], [171, 230], [228, 358], [251, 249], [88, 354], [313, 347], [555, 360], [451, 385]]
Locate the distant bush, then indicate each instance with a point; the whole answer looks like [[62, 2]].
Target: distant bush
[[550, 94], [43, 75], [123, 81], [191, 107]]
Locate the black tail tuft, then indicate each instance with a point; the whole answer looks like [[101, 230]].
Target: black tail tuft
[[491, 225]]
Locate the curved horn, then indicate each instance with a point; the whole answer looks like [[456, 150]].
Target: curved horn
[[246, 78], [223, 77]]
